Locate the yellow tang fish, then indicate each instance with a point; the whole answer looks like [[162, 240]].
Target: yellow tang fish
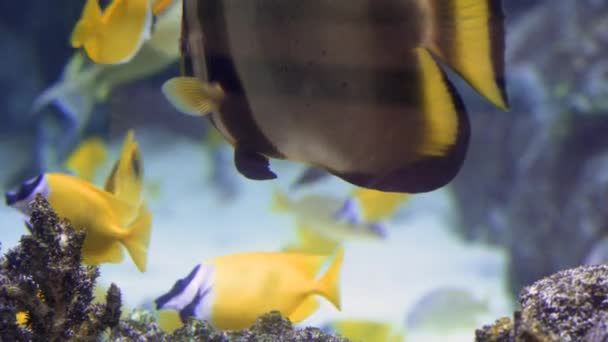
[[329, 217], [83, 83], [115, 35], [232, 291], [111, 218], [364, 331], [87, 158], [352, 87]]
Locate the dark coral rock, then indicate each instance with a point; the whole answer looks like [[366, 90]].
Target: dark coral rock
[[140, 326], [571, 305], [43, 277], [500, 331]]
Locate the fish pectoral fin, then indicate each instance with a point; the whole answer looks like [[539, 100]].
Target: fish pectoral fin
[[252, 165], [305, 309], [191, 96]]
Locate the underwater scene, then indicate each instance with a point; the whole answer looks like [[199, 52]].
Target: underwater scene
[[264, 170]]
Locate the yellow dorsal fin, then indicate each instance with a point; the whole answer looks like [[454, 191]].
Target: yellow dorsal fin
[[87, 158], [191, 96], [305, 309], [309, 264], [469, 36], [87, 25], [126, 179], [124, 212]]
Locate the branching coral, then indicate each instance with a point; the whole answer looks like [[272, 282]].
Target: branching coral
[[44, 278]]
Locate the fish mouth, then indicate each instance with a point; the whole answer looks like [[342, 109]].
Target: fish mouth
[[10, 198]]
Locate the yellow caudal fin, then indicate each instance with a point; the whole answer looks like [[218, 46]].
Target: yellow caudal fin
[[87, 158], [328, 285], [469, 36], [191, 96], [169, 320], [125, 181], [86, 28], [305, 309], [137, 239]]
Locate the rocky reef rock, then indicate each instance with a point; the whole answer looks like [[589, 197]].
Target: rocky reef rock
[[571, 305]]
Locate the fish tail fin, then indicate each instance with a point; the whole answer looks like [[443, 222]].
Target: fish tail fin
[[138, 239], [87, 25], [126, 179], [280, 201], [305, 309], [329, 284], [469, 36]]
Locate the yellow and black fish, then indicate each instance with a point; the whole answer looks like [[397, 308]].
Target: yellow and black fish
[[353, 87]]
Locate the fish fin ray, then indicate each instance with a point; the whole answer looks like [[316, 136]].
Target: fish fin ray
[[125, 181], [138, 239], [191, 96], [305, 309], [328, 285]]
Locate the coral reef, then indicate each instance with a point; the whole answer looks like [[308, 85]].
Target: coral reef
[[43, 278], [140, 326], [571, 305]]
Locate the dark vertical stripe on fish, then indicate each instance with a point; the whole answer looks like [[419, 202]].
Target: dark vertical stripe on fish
[[186, 56], [235, 111], [497, 34], [429, 173]]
